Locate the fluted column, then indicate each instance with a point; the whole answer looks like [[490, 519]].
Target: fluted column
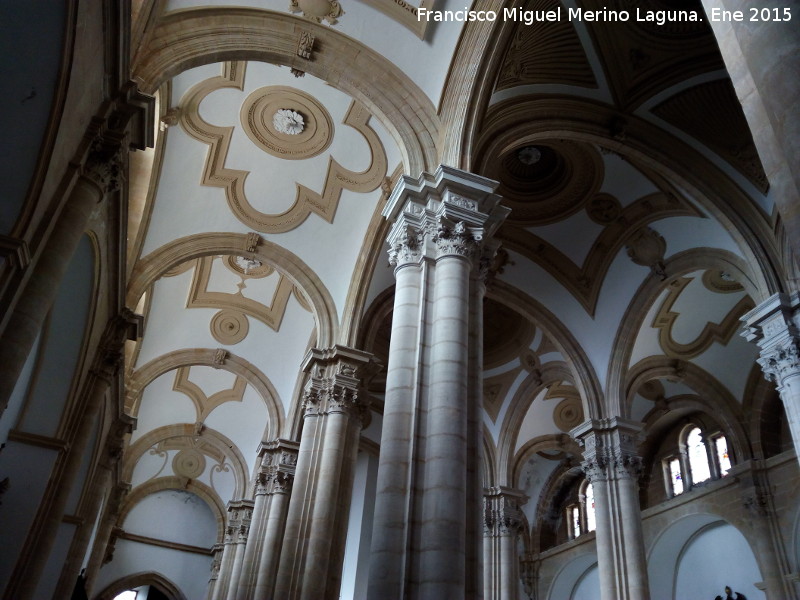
[[426, 539], [503, 523], [273, 486], [775, 326], [316, 526], [611, 464]]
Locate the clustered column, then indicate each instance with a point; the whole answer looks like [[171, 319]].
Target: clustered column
[[775, 326], [312, 553], [240, 514], [426, 532], [612, 466], [278, 460], [503, 522]]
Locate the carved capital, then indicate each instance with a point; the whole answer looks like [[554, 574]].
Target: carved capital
[[406, 247], [240, 513], [502, 514], [104, 169], [337, 376], [277, 469], [610, 449], [126, 325], [775, 326], [457, 240]]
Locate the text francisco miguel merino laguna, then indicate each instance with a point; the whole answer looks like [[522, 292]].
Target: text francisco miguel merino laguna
[[573, 14]]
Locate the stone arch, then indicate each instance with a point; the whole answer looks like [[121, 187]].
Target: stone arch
[[713, 398], [513, 123], [671, 543], [154, 265], [219, 441], [583, 375], [570, 575], [189, 38], [198, 488], [515, 414], [149, 372], [135, 580], [631, 323], [556, 441]]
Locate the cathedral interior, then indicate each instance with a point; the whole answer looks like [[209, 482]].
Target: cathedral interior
[[320, 299]]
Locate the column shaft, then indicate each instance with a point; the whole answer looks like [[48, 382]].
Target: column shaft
[[426, 533], [613, 467]]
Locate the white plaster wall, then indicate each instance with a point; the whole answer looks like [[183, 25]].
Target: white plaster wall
[[175, 516], [716, 557], [588, 585], [55, 562], [359, 533], [63, 341]]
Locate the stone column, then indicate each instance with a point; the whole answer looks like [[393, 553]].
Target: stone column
[[316, 526], [761, 56], [243, 519], [240, 513], [216, 563], [426, 539], [273, 486], [503, 523], [775, 326], [613, 467]]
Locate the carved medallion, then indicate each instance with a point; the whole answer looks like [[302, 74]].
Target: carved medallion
[[286, 122]]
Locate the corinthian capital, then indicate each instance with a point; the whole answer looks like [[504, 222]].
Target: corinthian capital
[[775, 326], [446, 213], [337, 378], [609, 449]]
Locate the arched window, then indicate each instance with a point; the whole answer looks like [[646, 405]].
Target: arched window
[[696, 460], [581, 516], [698, 456]]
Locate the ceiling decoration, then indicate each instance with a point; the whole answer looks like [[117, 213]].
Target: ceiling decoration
[[317, 10], [404, 13], [720, 332], [505, 332], [646, 247], [585, 281], [545, 52], [548, 181], [230, 325], [721, 282], [723, 129], [495, 391], [258, 114], [206, 404], [640, 59], [286, 122]]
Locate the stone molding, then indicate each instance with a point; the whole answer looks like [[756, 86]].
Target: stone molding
[[775, 326], [338, 376], [502, 514], [315, 139], [447, 213], [610, 448], [278, 465]]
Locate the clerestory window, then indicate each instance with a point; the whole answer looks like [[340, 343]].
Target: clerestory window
[[698, 459]]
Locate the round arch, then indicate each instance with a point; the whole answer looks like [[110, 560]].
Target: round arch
[[619, 377], [583, 375], [154, 265], [512, 123], [198, 488], [134, 580], [220, 442], [149, 372], [189, 38]]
